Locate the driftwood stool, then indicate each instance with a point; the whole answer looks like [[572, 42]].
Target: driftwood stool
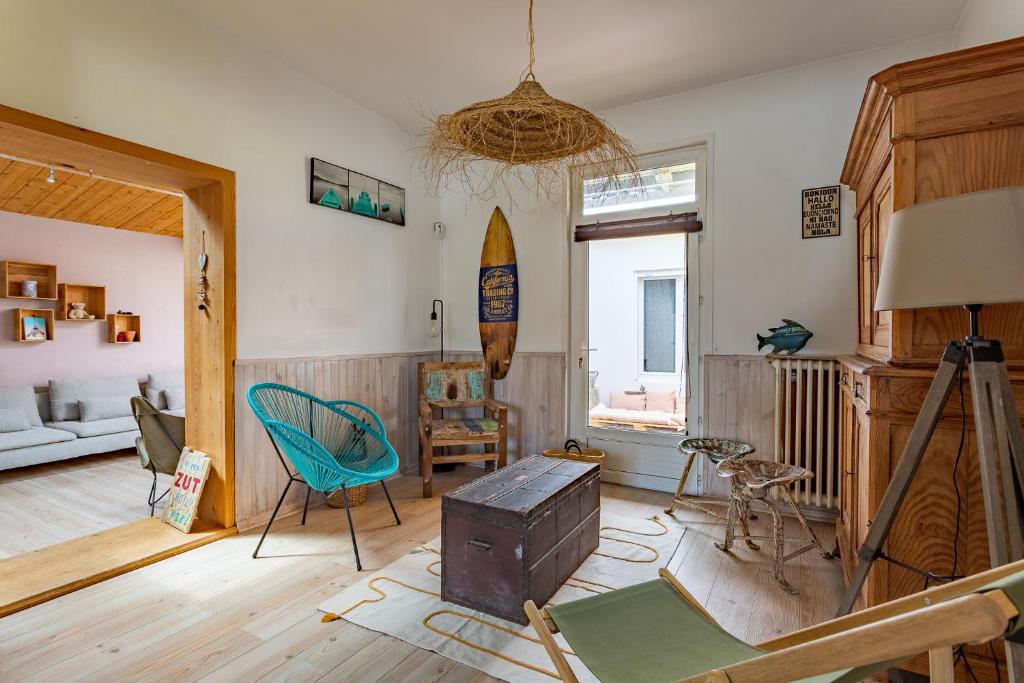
[[715, 450], [752, 481]]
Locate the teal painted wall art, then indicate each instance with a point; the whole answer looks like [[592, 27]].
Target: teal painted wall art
[[330, 199], [339, 188], [364, 206]]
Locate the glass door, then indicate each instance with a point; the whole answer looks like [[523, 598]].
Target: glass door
[[635, 318]]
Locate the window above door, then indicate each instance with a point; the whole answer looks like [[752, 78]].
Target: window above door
[[666, 184]]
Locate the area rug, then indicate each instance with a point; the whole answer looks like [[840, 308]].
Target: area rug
[[404, 600]]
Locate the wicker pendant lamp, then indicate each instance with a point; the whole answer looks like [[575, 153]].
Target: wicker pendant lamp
[[530, 136]]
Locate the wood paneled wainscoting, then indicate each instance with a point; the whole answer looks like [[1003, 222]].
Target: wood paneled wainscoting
[[534, 389], [739, 403]]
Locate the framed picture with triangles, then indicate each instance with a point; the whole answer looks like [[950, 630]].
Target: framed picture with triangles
[[340, 189]]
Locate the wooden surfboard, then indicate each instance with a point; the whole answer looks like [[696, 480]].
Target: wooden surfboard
[[499, 296]]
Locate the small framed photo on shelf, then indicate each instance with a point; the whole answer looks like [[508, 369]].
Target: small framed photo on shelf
[[34, 328]]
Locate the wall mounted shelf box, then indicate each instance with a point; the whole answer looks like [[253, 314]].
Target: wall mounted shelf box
[[19, 328], [119, 322], [93, 296], [13, 273]]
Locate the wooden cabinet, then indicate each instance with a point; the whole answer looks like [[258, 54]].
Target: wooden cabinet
[[879, 404], [927, 129]]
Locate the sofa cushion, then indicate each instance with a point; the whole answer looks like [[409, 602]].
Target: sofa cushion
[[175, 398], [13, 420], [23, 399], [43, 405], [104, 408], [66, 393], [180, 412], [84, 430], [158, 382], [36, 436]]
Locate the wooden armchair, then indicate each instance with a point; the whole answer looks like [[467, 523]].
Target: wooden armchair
[[454, 387]]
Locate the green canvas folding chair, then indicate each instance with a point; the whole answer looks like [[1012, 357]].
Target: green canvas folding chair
[[656, 631]]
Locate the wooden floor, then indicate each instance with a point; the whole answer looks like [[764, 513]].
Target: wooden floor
[[215, 614], [42, 505]]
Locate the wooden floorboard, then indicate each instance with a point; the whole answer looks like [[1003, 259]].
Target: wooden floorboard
[[42, 505], [215, 614]]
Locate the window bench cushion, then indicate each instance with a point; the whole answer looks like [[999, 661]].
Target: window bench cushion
[[36, 436], [84, 430]]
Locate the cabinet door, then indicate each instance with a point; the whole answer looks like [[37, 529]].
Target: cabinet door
[[848, 467], [881, 207], [865, 276], [862, 447]]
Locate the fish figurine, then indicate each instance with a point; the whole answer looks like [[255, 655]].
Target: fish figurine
[[790, 337]]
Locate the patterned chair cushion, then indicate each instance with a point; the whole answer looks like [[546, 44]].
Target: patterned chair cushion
[[460, 428]]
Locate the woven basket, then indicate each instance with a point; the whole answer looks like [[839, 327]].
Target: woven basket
[[573, 451], [356, 496]]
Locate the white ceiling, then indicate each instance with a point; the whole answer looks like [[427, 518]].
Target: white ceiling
[[401, 57]]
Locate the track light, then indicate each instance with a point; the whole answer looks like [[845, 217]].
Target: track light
[[51, 178]]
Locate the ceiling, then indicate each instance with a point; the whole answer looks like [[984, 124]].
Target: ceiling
[[404, 57], [86, 199]]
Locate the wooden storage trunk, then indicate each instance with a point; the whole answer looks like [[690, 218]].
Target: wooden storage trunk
[[518, 534]]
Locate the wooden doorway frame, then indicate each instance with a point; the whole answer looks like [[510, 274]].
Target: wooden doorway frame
[[209, 220]]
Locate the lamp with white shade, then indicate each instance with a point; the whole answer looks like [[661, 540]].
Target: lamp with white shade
[[966, 250]]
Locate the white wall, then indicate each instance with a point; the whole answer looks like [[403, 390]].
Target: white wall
[[771, 136], [614, 317], [538, 232], [310, 280], [988, 21], [142, 273]]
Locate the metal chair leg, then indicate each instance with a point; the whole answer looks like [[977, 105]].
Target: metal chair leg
[[730, 526], [305, 508], [788, 496], [779, 536], [152, 496], [272, 516], [744, 515], [398, 522], [351, 529]]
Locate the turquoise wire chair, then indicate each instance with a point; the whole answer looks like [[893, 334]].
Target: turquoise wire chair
[[333, 446]]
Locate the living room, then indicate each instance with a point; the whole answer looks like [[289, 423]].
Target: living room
[[384, 328], [91, 317]]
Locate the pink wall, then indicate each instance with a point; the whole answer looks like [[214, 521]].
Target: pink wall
[[142, 273]]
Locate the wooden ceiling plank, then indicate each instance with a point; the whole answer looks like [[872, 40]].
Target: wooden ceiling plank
[[145, 220], [125, 195], [114, 201], [132, 208], [83, 199], [70, 190], [13, 178], [34, 189], [96, 196], [172, 223]]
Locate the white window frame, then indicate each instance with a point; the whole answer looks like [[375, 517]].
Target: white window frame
[[678, 275], [673, 157]]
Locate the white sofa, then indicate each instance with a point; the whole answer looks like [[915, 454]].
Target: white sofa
[[76, 417]]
